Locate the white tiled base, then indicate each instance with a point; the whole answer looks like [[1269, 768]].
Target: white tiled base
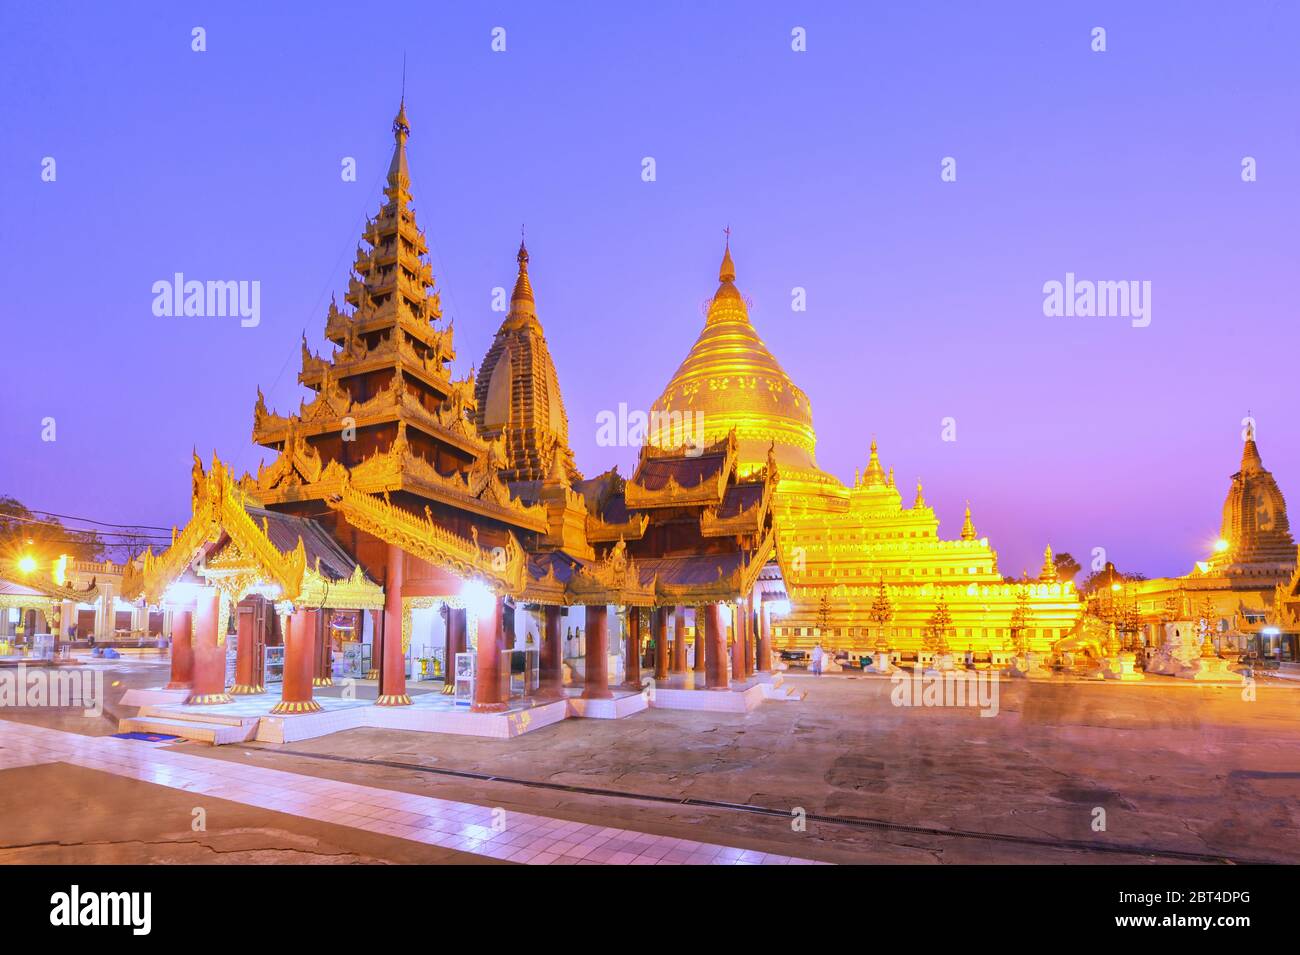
[[145, 697], [435, 713], [614, 708], [711, 701], [428, 713]]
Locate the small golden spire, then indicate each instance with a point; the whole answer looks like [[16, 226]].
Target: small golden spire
[[920, 496], [874, 476], [1048, 573], [968, 526], [399, 176], [1250, 459], [401, 127], [727, 272], [523, 288]]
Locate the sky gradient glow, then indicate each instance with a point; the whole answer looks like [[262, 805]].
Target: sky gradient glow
[[924, 298]]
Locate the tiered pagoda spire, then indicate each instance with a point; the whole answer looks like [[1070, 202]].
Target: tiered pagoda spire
[[386, 410], [1255, 533], [518, 391]]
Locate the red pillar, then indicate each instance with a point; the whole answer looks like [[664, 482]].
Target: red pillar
[[552, 657], [701, 613], [747, 632], [209, 655], [632, 650], [736, 615], [679, 640], [182, 650], [246, 681], [715, 646], [376, 644], [455, 644], [323, 670], [764, 660], [489, 695], [596, 682], [299, 664], [392, 671], [659, 633]]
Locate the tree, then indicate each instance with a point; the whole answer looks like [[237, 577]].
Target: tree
[[882, 611], [1020, 620], [1066, 568], [939, 621], [1107, 576], [23, 533]]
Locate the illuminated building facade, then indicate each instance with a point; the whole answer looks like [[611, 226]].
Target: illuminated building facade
[[1248, 588], [838, 545], [406, 507]]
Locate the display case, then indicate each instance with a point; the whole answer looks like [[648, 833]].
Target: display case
[[273, 668], [465, 678], [524, 668], [353, 661]]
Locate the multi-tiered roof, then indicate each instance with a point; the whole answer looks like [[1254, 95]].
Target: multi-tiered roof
[[386, 415]]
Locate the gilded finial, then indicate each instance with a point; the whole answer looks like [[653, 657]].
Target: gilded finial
[[1048, 573], [968, 526], [727, 273], [521, 299], [875, 474]]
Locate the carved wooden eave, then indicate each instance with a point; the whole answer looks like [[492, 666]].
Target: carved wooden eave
[[708, 491], [727, 587], [601, 532], [502, 568], [354, 357], [324, 414], [477, 491], [356, 592], [378, 318], [48, 606], [548, 589], [750, 521], [728, 447], [218, 510], [613, 580], [48, 588]]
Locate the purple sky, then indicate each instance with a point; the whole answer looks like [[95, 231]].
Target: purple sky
[[925, 298]]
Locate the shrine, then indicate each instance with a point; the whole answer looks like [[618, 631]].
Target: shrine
[[414, 526]]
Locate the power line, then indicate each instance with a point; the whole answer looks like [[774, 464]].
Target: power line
[[86, 530], [84, 520]]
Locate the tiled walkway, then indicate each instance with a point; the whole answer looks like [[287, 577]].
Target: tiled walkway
[[466, 827]]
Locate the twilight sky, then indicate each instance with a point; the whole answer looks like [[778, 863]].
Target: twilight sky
[[924, 297]]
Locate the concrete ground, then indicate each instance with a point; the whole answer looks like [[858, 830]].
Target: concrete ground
[[1174, 771]]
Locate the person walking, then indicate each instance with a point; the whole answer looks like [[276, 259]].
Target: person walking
[[817, 656]]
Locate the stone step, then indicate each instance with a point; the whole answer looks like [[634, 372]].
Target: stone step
[[194, 716], [215, 734], [782, 694]]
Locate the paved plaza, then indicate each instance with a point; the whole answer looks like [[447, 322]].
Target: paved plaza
[[1176, 772]]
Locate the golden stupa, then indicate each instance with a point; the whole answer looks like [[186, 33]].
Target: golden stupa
[[839, 545]]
